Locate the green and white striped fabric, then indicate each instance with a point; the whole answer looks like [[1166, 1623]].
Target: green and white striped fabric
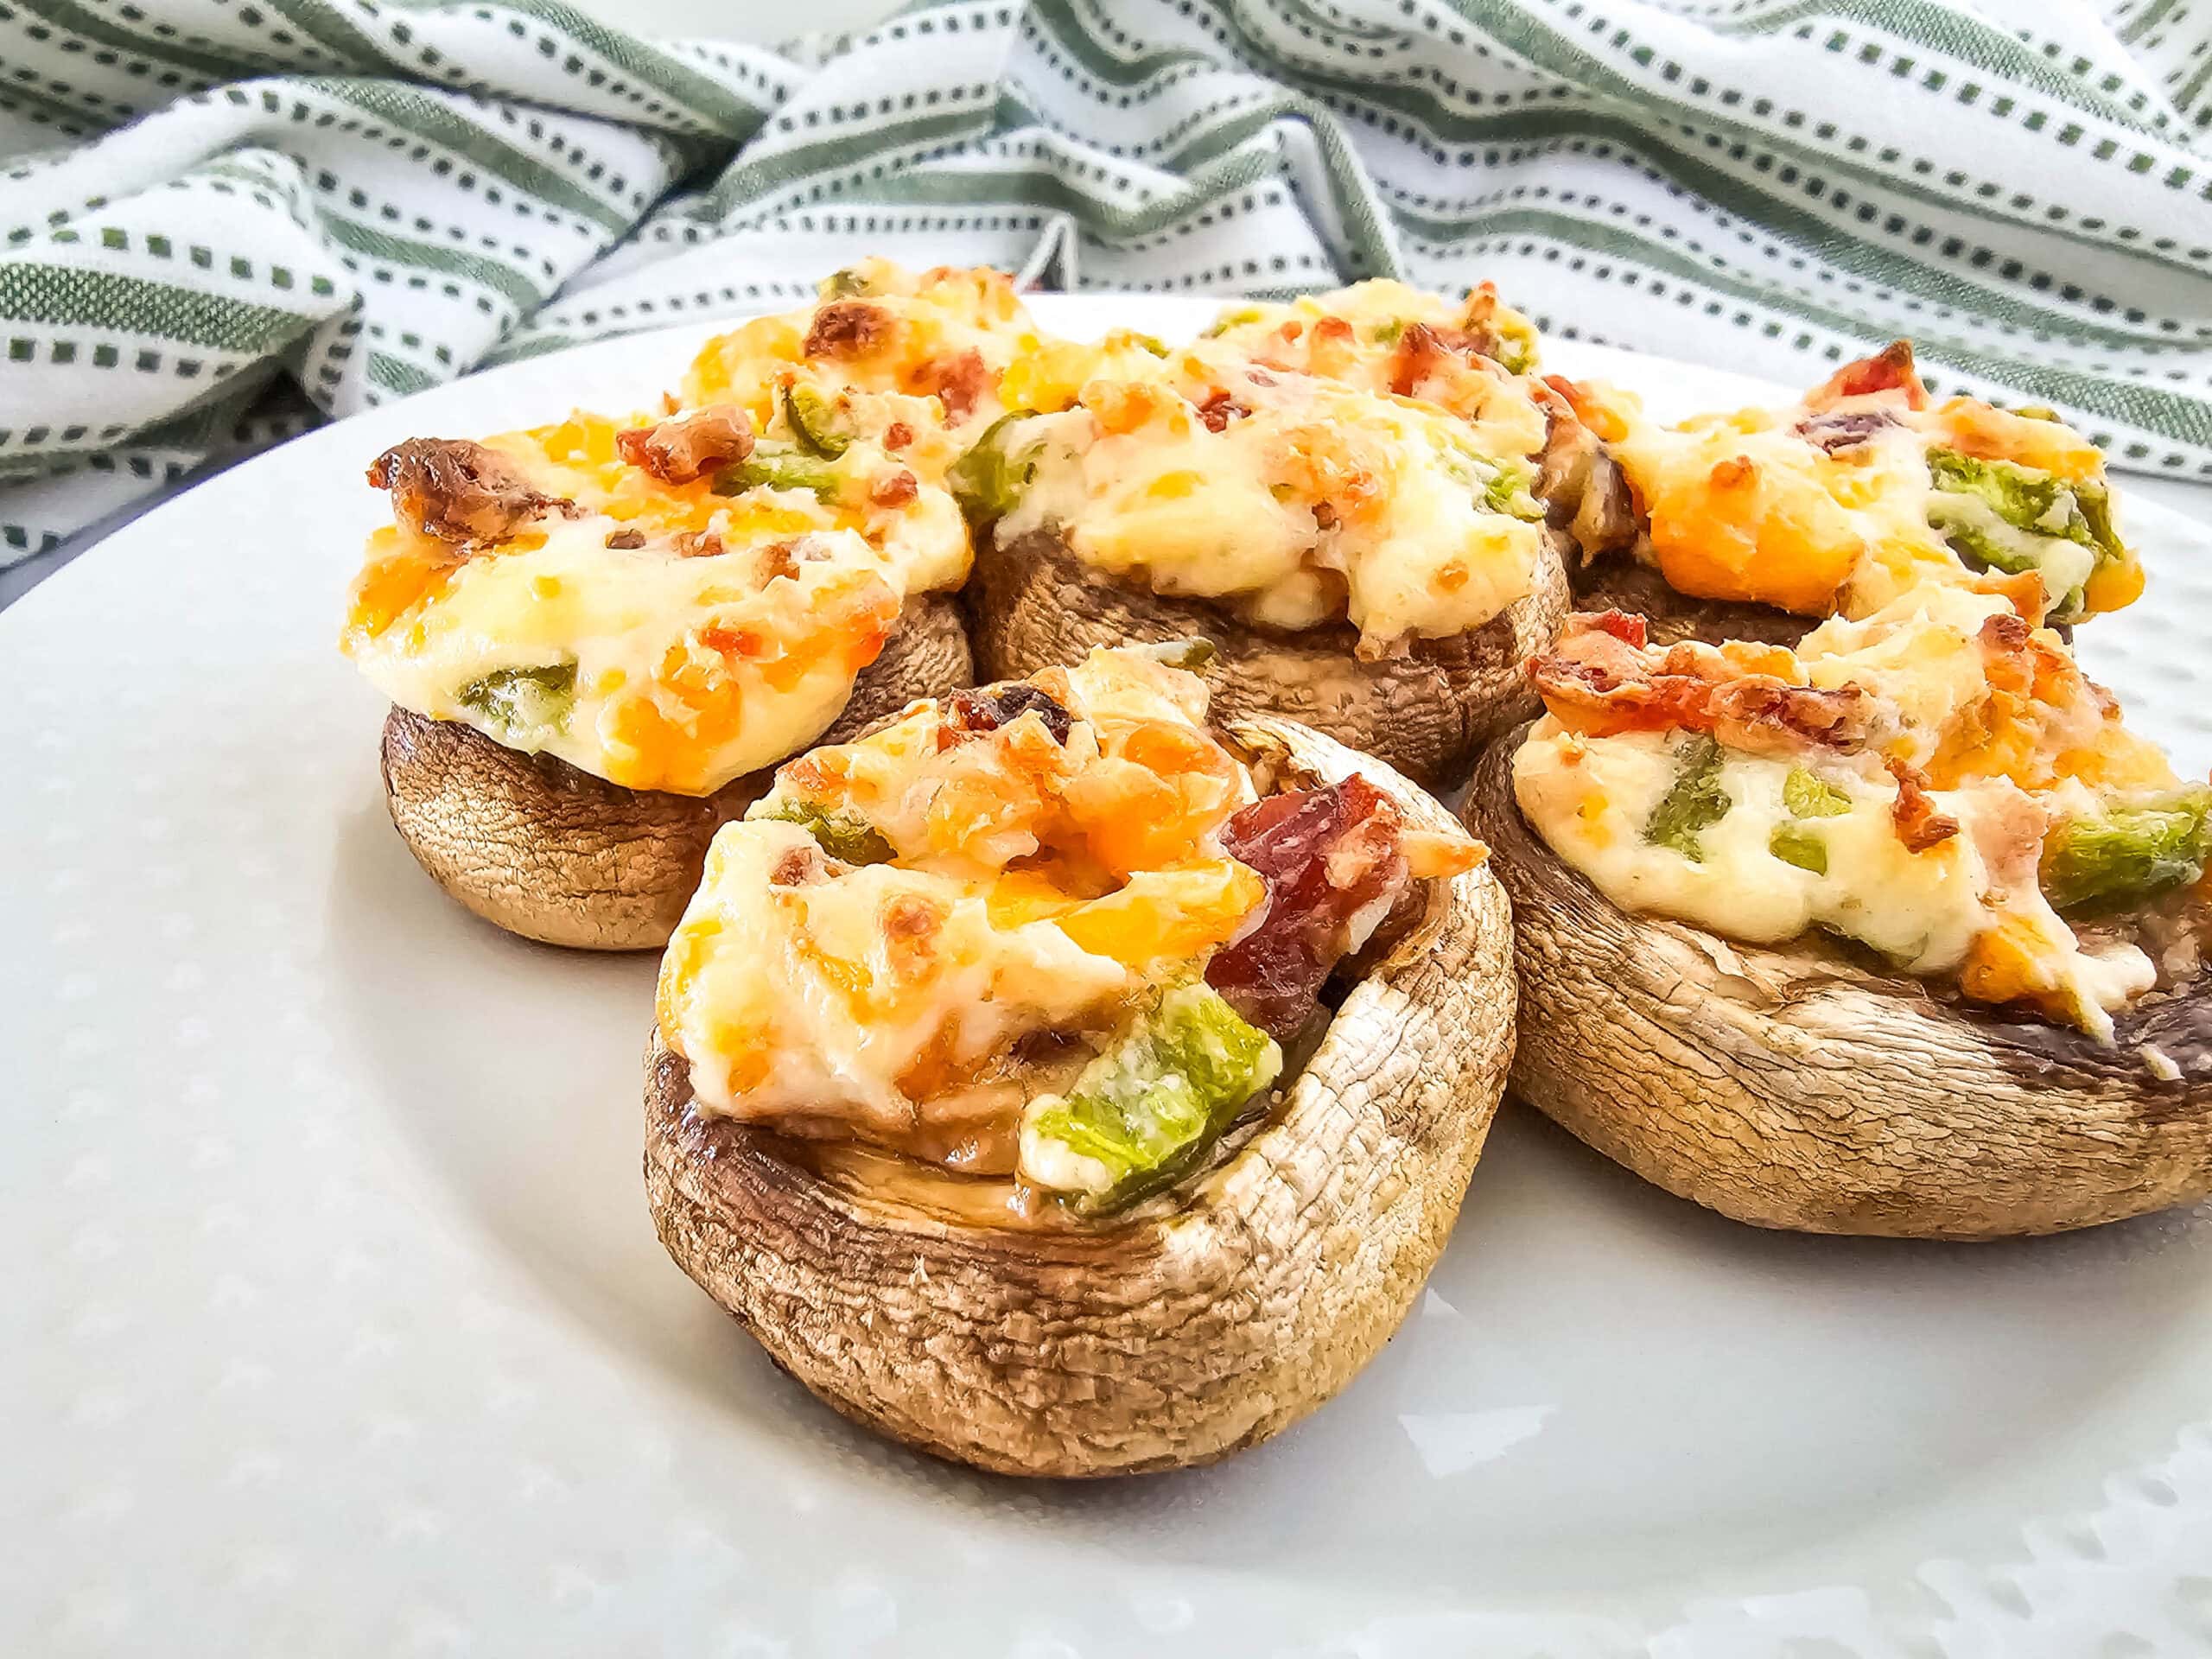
[[224, 219]]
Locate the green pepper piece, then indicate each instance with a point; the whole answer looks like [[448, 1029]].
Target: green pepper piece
[[848, 839], [1387, 331], [1508, 492], [1516, 346], [523, 704], [2037, 504], [1807, 795], [1236, 319], [778, 466], [1152, 343], [1694, 804], [843, 284], [2128, 855], [987, 481], [814, 422], [1792, 843], [1148, 1107]]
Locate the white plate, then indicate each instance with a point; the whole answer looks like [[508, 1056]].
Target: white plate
[[335, 1325]]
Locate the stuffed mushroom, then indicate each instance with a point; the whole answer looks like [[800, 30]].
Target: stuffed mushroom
[[1731, 526], [599, 636], [1369, 565], [1067, 1086], [1896, 934]]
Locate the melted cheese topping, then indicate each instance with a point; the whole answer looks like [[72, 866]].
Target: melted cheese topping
[[1747, 506], [1356, 335], [1037, 886], [2014, 738], [730, 638], [1310, 502], [919, 329]]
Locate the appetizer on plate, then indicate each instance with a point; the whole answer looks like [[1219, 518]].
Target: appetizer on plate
[[1899, 933], [1363, 564], [1066, 1087], [1382, 336], [597, 637], [1832, 506], [946, 336]]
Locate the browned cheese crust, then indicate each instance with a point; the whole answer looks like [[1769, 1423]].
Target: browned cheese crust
[[1203, 1321], [541, 849], [1426, 712], [1794, 1088]]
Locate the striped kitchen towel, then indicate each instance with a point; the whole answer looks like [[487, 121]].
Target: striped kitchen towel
[[226, 219]]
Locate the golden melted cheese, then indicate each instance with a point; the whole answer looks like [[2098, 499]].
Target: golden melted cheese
[[912, 336], [1357, 336], [2012, 736], [728, 639], [1037, 886], [1747, 506], [1300, 502]]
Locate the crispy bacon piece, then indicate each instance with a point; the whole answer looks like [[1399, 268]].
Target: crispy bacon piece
[[987, 709], [1889, 370], [1920, 826], [897, 436], [896, 491], [1599, 679], [461, 491], [1219, 409], [1836, 430], [688, 447], [1333, 867], [627, 540], [846, 328], [1422, 349], [959, 382]]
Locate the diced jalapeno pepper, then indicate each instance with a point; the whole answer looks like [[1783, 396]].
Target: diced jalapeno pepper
[[1142, 1112], [815, 422], [844, 837], [1807, 795], [1236, 319], [2042, 507], [987, 481], [778, 466], [1508, 492], [2128, 855], [844, 284], [1792, 843], [1516, 346], [1694, 804], [523, 704]]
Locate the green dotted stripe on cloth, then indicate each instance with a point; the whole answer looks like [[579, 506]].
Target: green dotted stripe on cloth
[[213, 236]]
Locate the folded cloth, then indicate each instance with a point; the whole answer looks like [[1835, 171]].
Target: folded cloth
[[225, 223]]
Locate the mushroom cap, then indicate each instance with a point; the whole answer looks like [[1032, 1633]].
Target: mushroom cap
[[1620, 583], [543, 849], [1795, 1088], [1426, 712], [1202, 1320]]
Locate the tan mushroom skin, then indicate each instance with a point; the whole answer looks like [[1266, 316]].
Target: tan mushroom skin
[[1622, 584], [541, 849], [1793, 1088], [1426, 712], [1202, 1321]]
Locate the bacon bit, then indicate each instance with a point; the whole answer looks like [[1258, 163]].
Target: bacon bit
[[1333, 867], [1889, 370], [1849, 429], [1597, 681], [846, 328], [897, 436], [1624, 625], [959, 382], [1219, 409], [895, 491], [456, 490], [1324, 515], [1735, 472], [1259, 377], [1920, 826], [910, 927], [777, 562], [973, 713], [626, 539], [733, 642], [1333, 329], [798, 867], [698, 544], [691, 446], [1422, 350]]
